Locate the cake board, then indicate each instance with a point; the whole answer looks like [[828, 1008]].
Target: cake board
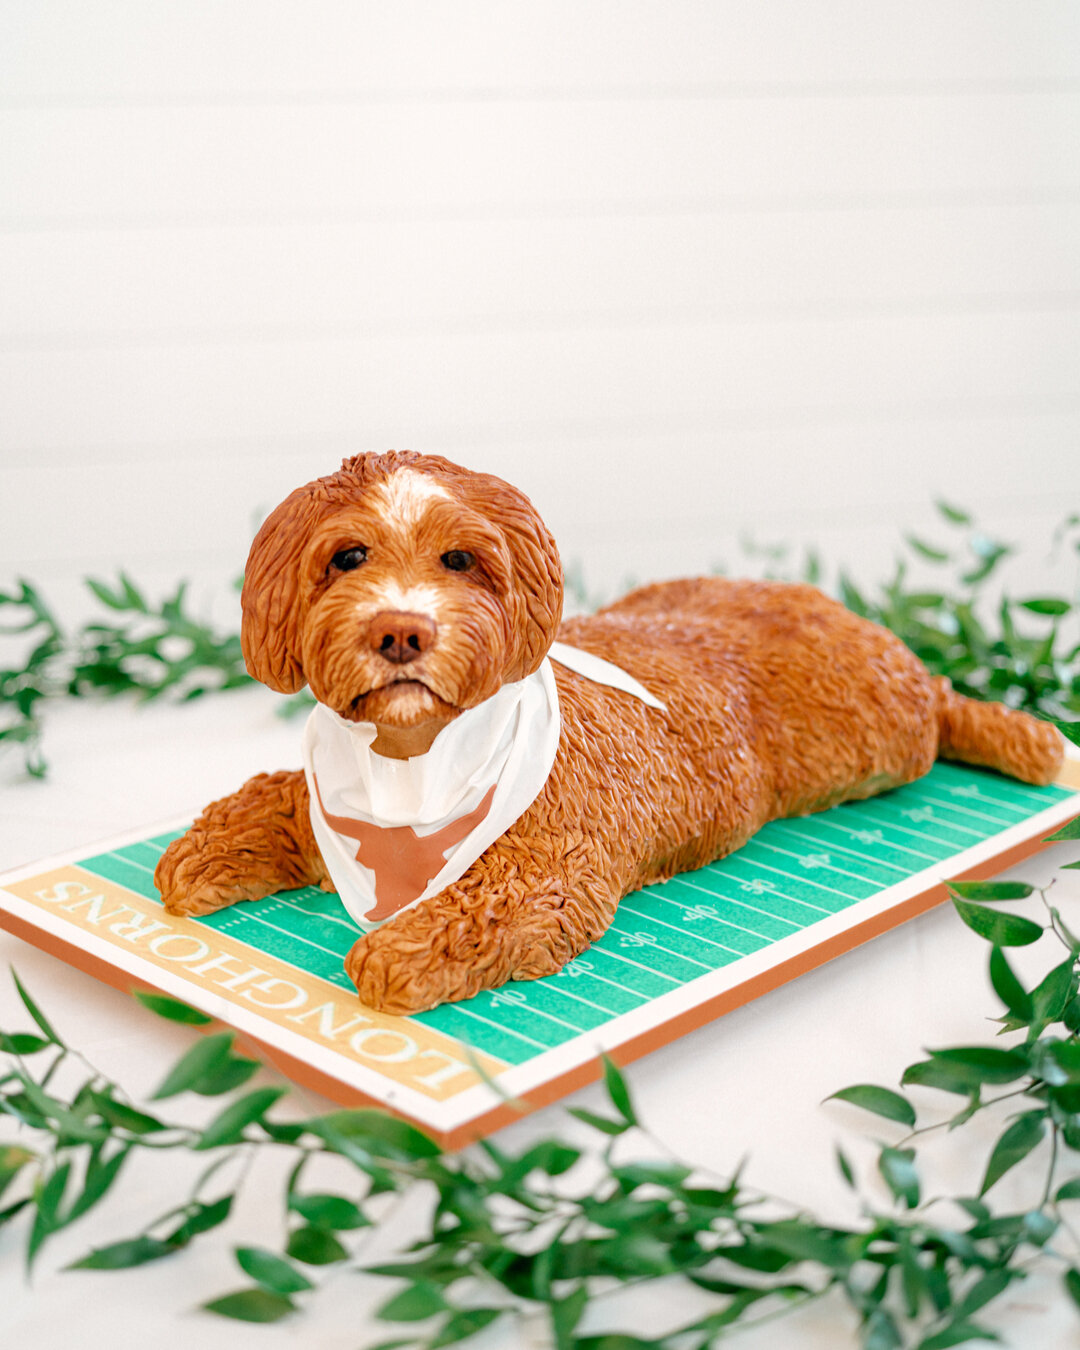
[[678, 955]]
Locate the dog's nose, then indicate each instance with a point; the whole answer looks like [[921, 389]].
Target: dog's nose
[[399, 637]]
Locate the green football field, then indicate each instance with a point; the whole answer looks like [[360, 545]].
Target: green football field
[[791, 874]]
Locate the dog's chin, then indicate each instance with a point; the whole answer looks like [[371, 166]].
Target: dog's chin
[[404, 704]]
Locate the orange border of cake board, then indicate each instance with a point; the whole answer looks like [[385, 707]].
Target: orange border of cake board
[[303, 1074]]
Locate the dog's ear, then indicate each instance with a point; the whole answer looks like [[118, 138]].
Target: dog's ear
[[270, 632], [538, 579]]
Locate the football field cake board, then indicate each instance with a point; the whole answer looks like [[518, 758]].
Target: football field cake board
[[678, 954]]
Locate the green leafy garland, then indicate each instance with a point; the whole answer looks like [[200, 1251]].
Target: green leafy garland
[[544, 1234], [150, 650]]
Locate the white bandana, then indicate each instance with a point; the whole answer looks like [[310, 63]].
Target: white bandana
[[393, 832]]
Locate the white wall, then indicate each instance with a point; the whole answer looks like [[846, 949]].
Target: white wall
[[682, 270]]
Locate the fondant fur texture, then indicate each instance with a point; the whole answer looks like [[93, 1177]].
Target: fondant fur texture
[[779, 702]]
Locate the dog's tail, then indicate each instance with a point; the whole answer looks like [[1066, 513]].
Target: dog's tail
[[997, 737]]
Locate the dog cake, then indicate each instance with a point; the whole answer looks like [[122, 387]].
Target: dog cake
[[483, 784]]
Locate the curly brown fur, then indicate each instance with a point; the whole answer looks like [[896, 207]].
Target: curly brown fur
[[778, 702]]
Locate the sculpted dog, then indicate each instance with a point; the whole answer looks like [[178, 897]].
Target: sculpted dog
[[419, 602]]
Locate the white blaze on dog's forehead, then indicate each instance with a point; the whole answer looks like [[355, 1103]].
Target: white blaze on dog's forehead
[[405, 495], [391, 594]]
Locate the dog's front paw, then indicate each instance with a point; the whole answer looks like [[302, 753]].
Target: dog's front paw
[[438, 953], [394, 975], [197, 875]]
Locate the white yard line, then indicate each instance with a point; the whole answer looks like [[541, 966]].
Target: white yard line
[[915, 853], [764, 867], [660, 975], [792, 824], [682, 931]]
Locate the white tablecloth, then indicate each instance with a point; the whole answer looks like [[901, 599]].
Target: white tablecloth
[[750, 1086]]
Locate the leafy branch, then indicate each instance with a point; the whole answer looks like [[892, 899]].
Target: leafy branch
[[1019, 652], [544, 1235], [144, 649], [1016, 651]]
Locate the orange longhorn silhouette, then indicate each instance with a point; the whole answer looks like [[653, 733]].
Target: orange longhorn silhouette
[[403, 861]]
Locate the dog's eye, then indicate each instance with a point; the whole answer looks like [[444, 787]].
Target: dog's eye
[[349, 558], [457, 560]]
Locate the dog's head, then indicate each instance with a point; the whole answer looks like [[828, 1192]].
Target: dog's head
[[401, 588]]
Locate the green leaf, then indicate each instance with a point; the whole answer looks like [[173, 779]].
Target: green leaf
[[632, 1175], [985, 1063], [333, 1212], [880, 1332], [897, 1166], [851, 596], [1038, 1228], [381, 1134], [414, 1304], [550, 1156], [957, 1333], [1070, 730], [953, 514], [104, 594], [881, 1101], [172, 1008], [71, 1127], [1046, 605], [47, 1218], [100, 1176], [1004, 930], [801, 1241], [201, 1218], [1008, 988], [35, 1012], [927, 551], [315, 1247], [234, 1073], [22, 1043], [618, 1091], [204, 1058], [982, 1292], [1014, 1145], [615, 1340], [271, 1271], [1070, 830], [126, 1117], [938, 1074], [1053, 992], [122, 1255], [845, 1167], [1069, 1190], [566, 1313], [132, 595], [228, 1127], [1071, 1280], [252, 1305], [12, 1161], [990, 890], [281, 1133], [465, 1323], [601, 1123]]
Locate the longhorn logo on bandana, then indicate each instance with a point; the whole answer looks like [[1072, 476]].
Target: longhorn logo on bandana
[[402, 830], [403, 861]]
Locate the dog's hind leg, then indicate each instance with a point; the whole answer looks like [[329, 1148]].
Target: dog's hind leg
[[997, 737], [243, 847], [477, 935]]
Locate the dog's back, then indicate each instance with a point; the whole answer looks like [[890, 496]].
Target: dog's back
[[838, 705]]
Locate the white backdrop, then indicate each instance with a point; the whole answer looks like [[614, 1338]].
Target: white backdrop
[[682, 270]]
